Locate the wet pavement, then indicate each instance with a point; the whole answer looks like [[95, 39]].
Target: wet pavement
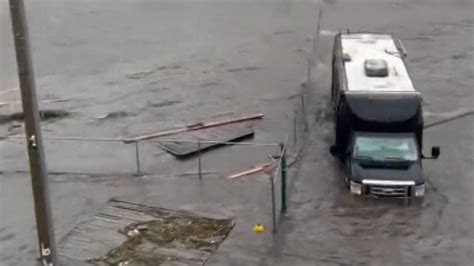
[[168, 63]]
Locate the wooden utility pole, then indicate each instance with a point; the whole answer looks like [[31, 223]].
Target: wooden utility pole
[[39, 173]]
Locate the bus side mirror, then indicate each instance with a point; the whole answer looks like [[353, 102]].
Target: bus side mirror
[[435, 152]]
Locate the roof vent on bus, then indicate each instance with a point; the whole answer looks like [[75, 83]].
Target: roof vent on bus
[[368, 38], [376, 68]]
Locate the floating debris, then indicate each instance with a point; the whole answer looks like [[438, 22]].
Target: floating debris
[[112, 115], [164, 104], [168, 67], [253, 170], [258, 228], [243, 69], [196, 126], [140, 75], [214, 137], [133, 233], [209, 84], [44, 115]]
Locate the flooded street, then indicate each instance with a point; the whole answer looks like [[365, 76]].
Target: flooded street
[[149, 66], [328, 226]]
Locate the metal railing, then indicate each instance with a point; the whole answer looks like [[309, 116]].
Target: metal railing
[[135, 149]]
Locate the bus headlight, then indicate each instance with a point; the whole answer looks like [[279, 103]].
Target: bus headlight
[[420, 191], [356, 188]]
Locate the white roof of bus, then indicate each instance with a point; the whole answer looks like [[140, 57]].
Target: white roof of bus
[[362, 47]]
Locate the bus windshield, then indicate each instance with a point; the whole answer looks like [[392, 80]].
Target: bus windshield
[[385, 148]]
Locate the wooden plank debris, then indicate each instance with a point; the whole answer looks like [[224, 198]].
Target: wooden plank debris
[[197, 126], [253, 170], [220, 135]]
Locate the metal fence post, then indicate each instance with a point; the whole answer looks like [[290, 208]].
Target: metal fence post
[[295, 137], [283, 178], [199, 160], [308, 69], [316, 35], [272, 185], [303, 110], [137, 158]]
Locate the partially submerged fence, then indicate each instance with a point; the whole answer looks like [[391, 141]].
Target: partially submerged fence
[[111, 156], [138, 158]]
